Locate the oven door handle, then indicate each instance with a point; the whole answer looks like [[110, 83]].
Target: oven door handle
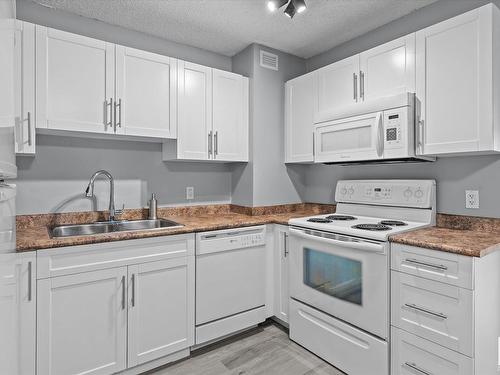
[[341, 240]]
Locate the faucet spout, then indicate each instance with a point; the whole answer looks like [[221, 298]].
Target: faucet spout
[[89, 192]]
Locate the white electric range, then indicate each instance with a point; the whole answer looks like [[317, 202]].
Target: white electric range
[[339, 270]]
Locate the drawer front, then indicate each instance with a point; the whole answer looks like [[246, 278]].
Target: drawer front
[[436, 265], [347, 348], [439, 312], [76, 259], [412, 355]]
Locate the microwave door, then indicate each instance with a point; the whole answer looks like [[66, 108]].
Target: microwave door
[[351, 139]]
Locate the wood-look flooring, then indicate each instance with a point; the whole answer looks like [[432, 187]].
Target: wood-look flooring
[[266, 350]]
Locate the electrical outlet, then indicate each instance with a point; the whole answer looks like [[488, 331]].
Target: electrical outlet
[[471, 198], [189, 192]]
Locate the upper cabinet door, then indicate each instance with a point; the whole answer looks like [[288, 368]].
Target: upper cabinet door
[[194, 130], [388, 69], [74, 81], [24, 88], [299, 122], [146, 93], [454, 83], [161, 309], [230, 116], [337, 86]]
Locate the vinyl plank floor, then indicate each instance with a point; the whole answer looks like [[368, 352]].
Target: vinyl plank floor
[[266, 350]]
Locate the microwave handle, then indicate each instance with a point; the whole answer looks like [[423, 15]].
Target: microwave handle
[[344, 241], [379, 128]]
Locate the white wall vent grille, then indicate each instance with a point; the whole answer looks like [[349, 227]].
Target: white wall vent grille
[[268, 60]]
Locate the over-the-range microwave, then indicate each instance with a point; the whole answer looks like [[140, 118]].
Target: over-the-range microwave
[[377, 131]]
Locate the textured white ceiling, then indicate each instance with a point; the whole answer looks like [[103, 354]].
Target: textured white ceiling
[[228, 26]]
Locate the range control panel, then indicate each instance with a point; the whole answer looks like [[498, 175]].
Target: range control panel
[[404, 193]]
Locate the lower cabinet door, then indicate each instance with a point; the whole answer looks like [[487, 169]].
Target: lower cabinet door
[[161, 309], [412, 355], [82, 323], [281, 291]]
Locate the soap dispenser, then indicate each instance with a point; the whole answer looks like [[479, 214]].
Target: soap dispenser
[[153, 206]]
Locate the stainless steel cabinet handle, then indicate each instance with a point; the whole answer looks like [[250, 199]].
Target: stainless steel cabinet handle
[[30, 141], [421, 136], [123, 293], [108, 112], [216, 143], [362, 85], [425, 310], [133, 290], [420, 263], [355, 86], [210, 143], [413, 366], [30, 276], [285, 244], [119, 106]]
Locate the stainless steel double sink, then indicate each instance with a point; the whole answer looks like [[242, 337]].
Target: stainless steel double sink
[[111, 227]]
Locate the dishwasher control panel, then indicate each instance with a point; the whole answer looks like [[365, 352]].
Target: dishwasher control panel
[[231, 239]]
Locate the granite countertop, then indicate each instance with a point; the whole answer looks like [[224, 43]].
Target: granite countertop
[[32, 230], [464, 235]]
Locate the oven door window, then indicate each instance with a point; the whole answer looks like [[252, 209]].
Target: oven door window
[[334, 275]]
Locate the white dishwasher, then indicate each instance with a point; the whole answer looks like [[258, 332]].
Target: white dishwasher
[[230, 281]]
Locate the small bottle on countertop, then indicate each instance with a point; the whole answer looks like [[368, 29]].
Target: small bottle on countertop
[[153, 206]]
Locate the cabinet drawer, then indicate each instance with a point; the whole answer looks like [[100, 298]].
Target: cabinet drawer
[[436, 311], [412, 355], [76, 259], [436, 265]]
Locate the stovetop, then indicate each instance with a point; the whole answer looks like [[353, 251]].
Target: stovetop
[[371, 227]]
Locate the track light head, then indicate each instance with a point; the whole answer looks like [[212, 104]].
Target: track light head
[[300, 5], [274, 5], [290, 10]]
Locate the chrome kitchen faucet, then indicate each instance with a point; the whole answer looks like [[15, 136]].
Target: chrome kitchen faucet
[[89, 192]]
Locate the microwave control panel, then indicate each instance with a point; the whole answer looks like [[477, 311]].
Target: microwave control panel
[[393, 127]]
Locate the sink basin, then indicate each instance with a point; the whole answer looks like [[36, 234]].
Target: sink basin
[[111, 227]]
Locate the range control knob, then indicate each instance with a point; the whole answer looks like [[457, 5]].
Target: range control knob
[[407, 193], [343, 191], [419, 193], [351, 191]]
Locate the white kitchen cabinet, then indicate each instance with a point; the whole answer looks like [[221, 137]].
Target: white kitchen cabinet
[[230, 116], [299, 119], [24, 88], [74, 82], [388, 69], [108, 307], [82, 323], [444, 312], [17, 313], [212, 118], [161, 309], [457, 85], [7, 40], [281, 285], [146, 93], [337, 85]]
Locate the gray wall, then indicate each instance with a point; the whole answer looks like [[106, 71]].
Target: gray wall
[[266, 180], [54, 181], [453, 175], [30, 11]]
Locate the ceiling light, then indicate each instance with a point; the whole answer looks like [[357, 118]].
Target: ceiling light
[[273, 5], [300, 5], [290, 9]]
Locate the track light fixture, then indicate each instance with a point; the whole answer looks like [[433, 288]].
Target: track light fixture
[[293, 7]]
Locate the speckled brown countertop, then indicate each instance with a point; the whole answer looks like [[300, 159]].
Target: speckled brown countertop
[[465, 235], [33, 234]]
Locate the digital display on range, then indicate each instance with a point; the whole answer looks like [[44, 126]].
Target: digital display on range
[[378, 190], [392, 117]]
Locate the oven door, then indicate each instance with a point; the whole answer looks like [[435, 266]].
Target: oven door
[[343, 276], [350, 139]]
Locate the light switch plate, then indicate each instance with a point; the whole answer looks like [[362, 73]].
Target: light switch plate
[[471, 198], [190, 192]]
